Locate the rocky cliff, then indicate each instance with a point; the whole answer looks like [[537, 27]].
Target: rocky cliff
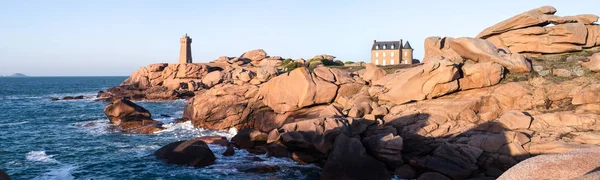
[[473, 109], [539, 31]]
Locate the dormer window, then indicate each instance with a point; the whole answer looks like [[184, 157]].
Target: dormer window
[[377, 47], [384, 47], [392, 46]]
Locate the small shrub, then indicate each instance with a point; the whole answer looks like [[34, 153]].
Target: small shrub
[[348, 62], [291, 66], [286, 61]]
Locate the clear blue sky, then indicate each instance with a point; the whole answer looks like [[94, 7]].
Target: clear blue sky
[[116, 37]]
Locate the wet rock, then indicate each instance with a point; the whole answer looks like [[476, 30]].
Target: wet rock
[[219, 140], [3, 175], [131, 117], [242, 139], [191, 153], [277, 150], [229, 151], [405, 172], [432, 176], [254, 158], [261, 169]]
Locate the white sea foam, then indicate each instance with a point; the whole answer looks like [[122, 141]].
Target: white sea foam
[[95, 127], [186, 128], [63, 172], [15, 123], [40, 156]]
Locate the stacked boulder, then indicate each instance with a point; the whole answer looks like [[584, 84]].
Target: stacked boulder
[[130, 117], [529, 32]]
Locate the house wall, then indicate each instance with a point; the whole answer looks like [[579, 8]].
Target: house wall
[[388, 59], [407, 56]]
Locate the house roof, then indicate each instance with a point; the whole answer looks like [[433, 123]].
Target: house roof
[[386, 45], [407, 46]]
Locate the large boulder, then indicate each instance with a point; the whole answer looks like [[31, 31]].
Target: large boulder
[[528, 32], [478, 75], [190, 153], [309, 140], [220, 107], [297, 89], [571, 165], [212, 79], [535, 17], [131, 117], [480, 50], [556, 39], [432, 79], [255, 56], [349, 160], [3, 175], [439, 48], [385, 147], [372, 73], [454, 160]]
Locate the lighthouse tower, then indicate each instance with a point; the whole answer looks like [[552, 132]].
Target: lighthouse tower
[[185, 54]]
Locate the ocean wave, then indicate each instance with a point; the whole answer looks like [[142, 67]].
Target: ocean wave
[[15, 123], [40, 156], [63, 172], [188, 129], [94, 127]]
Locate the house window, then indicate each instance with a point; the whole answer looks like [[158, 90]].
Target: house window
[[405, 53], [384, 46], [377, 47], [376, 61], [392, 62], [383, 54], [392, 46], [384, 62], [377, 54], [392, 54]]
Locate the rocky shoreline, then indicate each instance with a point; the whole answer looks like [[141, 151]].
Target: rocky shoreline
[[474, 109]]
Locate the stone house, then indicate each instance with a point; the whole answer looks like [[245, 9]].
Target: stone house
[[385, 53]]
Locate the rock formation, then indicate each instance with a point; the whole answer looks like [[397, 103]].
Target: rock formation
[[529, 32], [470, 110], [578, 164], [191, 153], [3, 175], [130, 117]]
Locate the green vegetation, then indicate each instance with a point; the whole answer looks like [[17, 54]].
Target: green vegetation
[[286, 61], [291, 66], [348, 62], [327, 62]]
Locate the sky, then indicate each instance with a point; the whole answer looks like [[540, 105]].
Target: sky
[[116, 37]]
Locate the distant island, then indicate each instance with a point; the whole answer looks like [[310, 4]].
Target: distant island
[[16, 75]]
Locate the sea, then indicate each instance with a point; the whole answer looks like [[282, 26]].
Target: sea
[[72, 139]]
